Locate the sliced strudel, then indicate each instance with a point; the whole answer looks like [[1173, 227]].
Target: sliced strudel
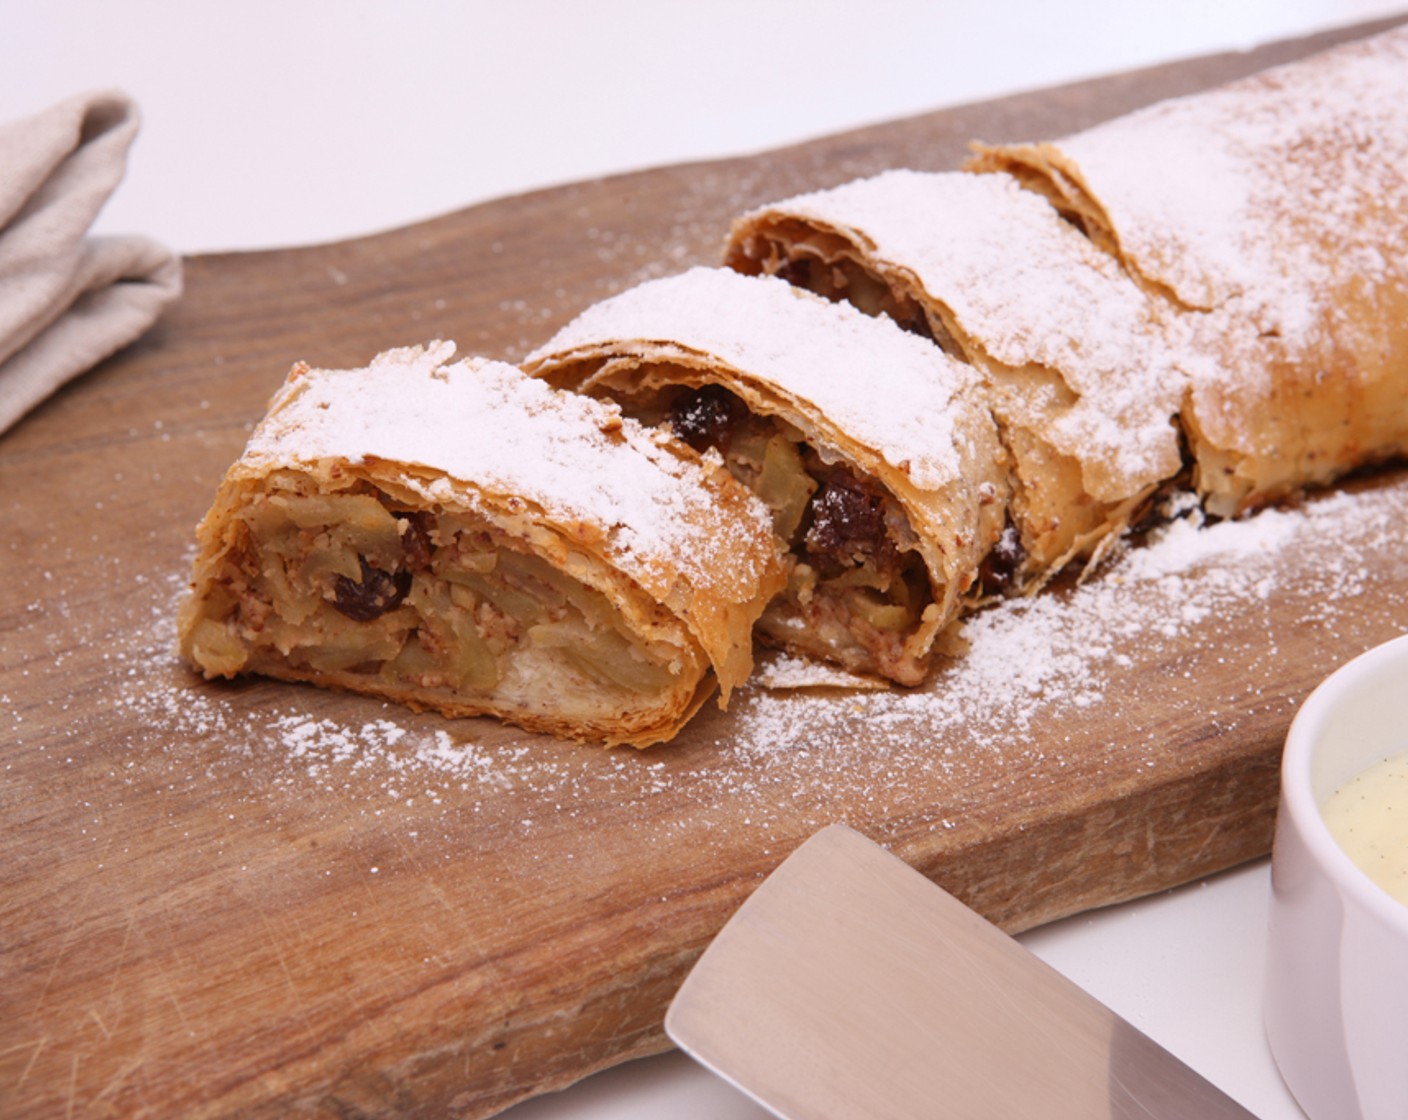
[[1271, 213], [876, 453], [460, 537]]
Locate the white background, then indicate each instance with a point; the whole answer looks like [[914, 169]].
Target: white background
[[271, 124]]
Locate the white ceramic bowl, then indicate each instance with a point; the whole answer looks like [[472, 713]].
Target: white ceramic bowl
[[1337, 963]]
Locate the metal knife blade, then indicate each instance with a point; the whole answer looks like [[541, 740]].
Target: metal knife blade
[[850, 986]]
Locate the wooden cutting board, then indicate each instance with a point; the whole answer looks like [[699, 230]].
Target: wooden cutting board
[[266, 900]]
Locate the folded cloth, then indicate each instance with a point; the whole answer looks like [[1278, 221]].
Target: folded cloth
[[67, 299]]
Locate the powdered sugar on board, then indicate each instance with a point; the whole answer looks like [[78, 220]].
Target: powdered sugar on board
[[1182, 616], [806, 349], [1035, 659]]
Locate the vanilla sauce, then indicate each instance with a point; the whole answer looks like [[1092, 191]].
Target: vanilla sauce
[[1368, 817]]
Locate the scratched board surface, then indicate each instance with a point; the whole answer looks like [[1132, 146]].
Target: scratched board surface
[[260, 899]]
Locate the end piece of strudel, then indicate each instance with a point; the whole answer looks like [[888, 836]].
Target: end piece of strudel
[[459, 537]]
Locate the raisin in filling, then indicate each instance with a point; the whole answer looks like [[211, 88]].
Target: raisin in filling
[[706, 417], [379, 590], [373, 595], [1003, 562], [848, 528]]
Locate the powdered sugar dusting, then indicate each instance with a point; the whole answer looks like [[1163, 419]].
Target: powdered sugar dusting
[[1029, 290], [806, 348], [488, 425], [1202, 190]]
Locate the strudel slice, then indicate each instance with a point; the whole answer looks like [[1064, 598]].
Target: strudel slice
[[1082, 384], [876, 454], [1271, 212], [460, 537]]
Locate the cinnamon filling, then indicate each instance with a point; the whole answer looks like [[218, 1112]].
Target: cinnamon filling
[[347, 584]]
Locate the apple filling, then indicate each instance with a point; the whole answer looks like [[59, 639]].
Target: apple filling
[[354, 586], [824, 264], [859, 586]]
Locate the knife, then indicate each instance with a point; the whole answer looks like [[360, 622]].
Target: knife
[[850, 986]]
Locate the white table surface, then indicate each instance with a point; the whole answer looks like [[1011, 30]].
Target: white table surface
[[270, 124]]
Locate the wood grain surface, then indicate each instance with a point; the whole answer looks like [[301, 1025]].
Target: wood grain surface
[[266, 900]]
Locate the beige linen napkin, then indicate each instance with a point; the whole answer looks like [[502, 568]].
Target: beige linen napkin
[[67, 299]]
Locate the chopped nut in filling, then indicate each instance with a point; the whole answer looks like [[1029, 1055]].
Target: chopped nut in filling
[[352, 586]]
